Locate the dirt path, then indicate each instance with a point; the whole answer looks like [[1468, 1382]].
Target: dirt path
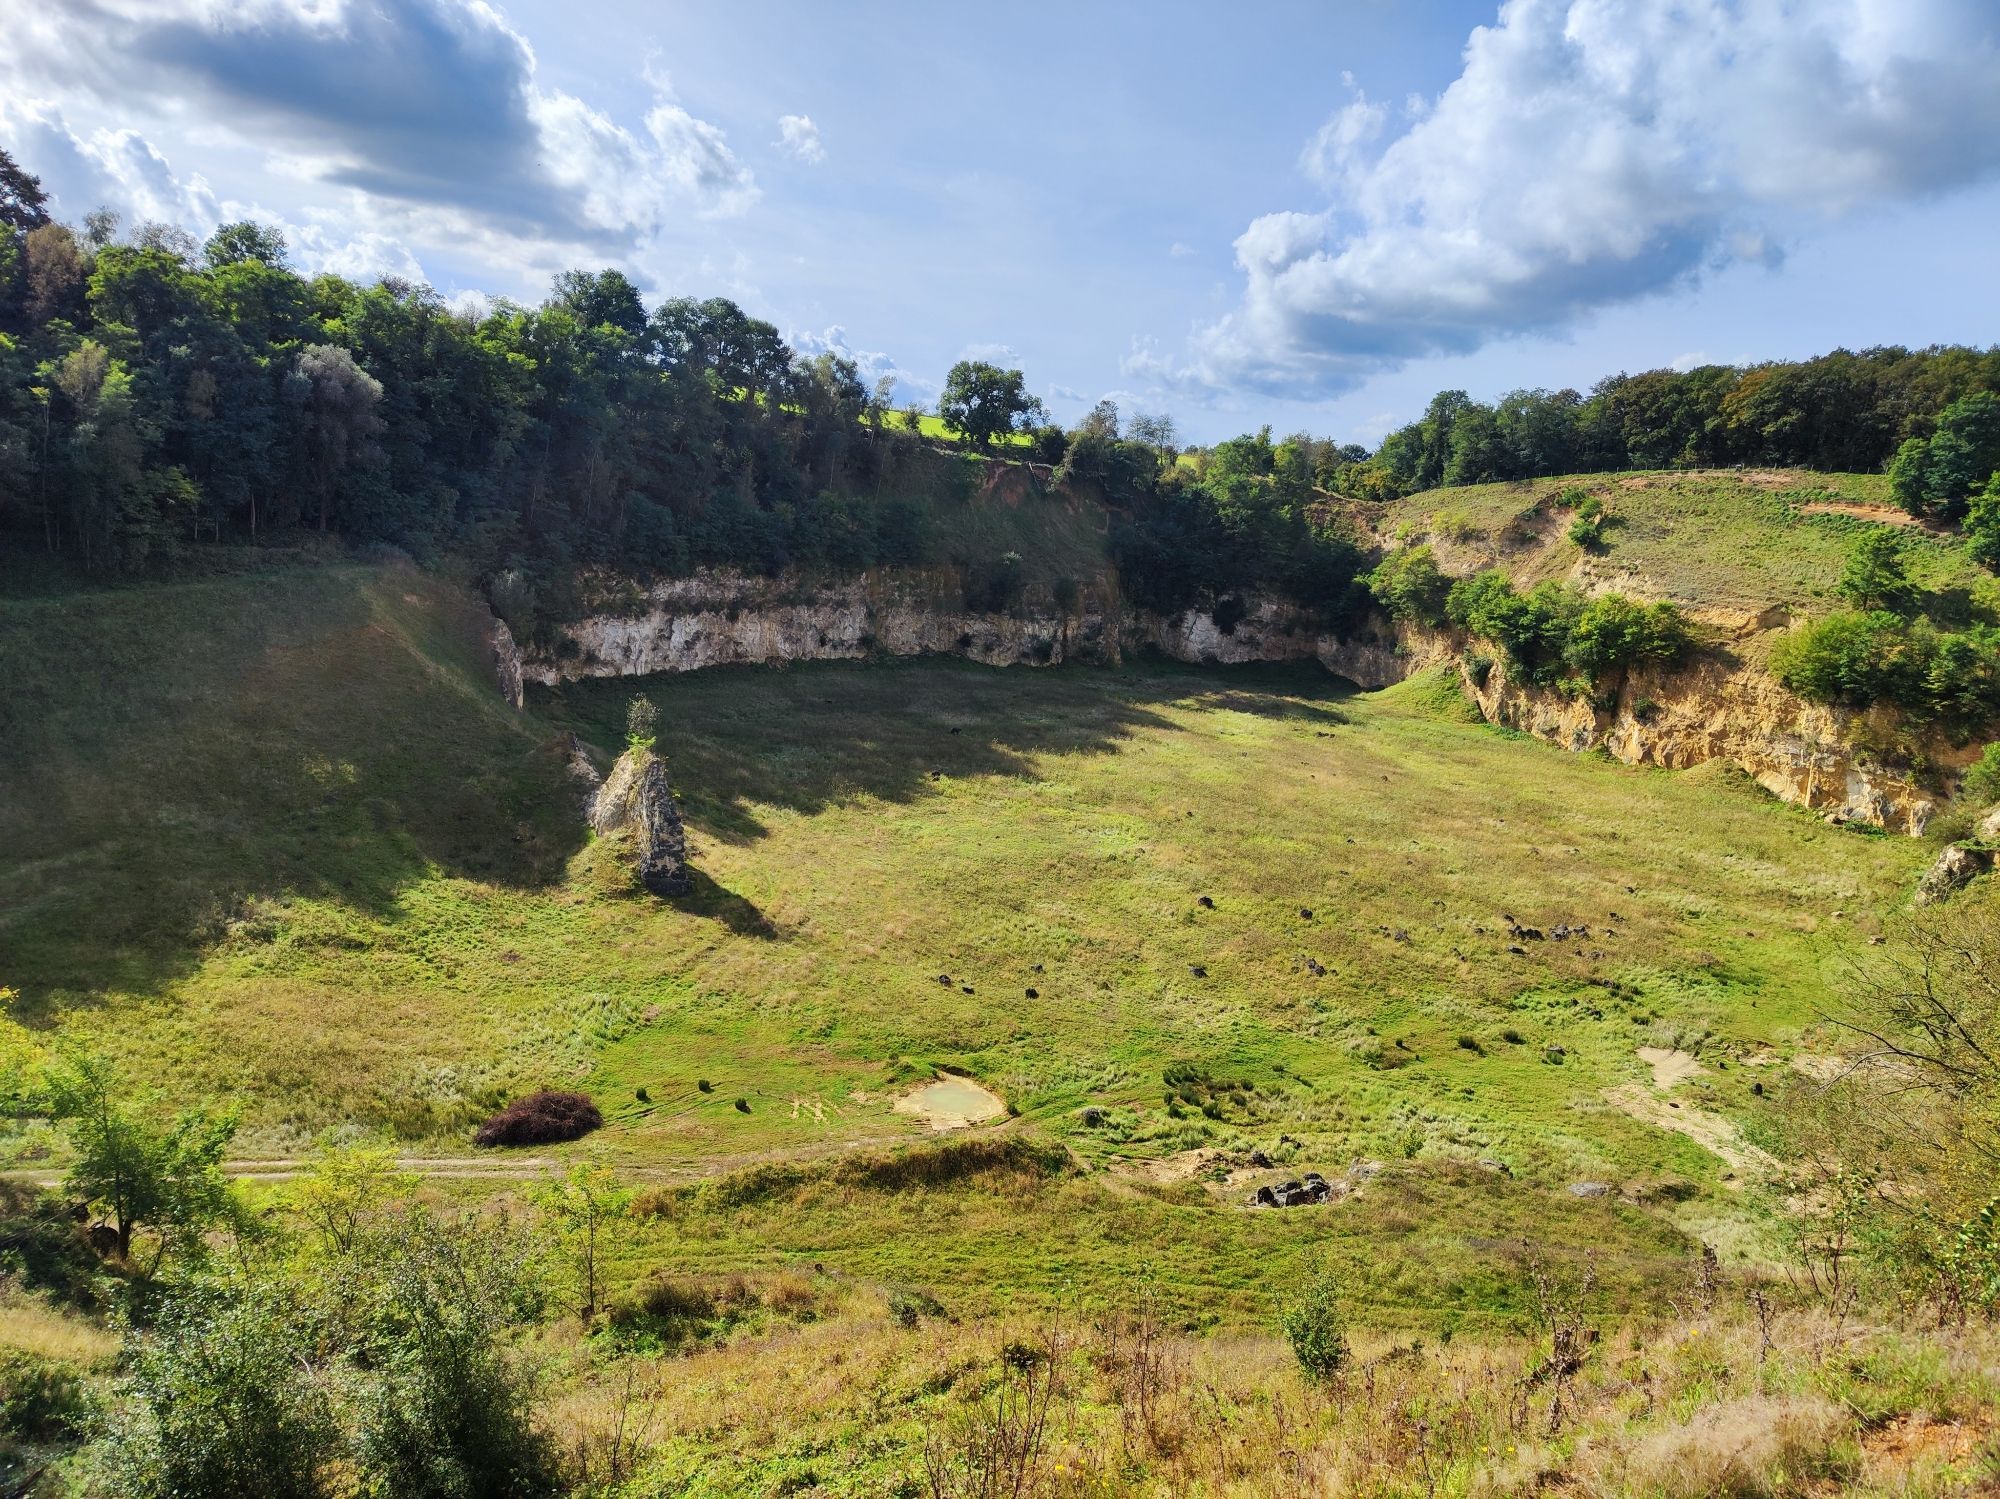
[[1881, 515], [285, 1168]]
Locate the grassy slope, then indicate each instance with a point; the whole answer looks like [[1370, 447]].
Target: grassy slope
[[1711, 540], [280, 842]]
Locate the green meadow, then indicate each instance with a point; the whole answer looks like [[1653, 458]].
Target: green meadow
[[277, 841]]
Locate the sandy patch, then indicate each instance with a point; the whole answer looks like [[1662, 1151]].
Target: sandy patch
[[1710, 1131], [952, 1102], [1670, 1068], [1823, 1069]]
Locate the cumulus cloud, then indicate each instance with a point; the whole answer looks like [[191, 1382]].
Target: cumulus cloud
[[800, 136], [1591, 152], [116, 169], [873, 364], [429, 107]]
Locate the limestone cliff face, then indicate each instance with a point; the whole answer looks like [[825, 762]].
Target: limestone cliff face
[[1724, 706], [726, 619]]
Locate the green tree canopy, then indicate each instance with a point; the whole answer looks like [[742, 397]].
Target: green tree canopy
[[984, 403]]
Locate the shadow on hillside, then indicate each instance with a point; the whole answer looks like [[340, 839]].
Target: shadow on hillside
[[806, 738], [180, 761], [737, 913]]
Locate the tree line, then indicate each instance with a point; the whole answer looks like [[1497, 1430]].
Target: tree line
[[1842, 412], [157, 395]]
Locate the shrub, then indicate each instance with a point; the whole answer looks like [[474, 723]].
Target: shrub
[[1554, 631], [1409, 586], [1982, 525], [451, 1412], [642, 722], [1981, 782], [541, 1119], [663, 1303], [908, 1306], [1875, 578], [1846, 658], [1951, 679], [1613, 634], [223, 1407], [1587, 531], [40, 1400], [1312, 1323]]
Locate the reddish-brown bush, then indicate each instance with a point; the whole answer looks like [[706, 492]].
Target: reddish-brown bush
[[541, 1119]]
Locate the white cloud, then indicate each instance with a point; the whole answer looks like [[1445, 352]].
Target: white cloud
[[429, 115], [1594, 151], [1333, 152], [873, 364], [116, 169], [1180, 251], [800, 136]]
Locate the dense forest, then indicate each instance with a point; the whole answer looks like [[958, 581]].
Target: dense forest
[[159, 395]]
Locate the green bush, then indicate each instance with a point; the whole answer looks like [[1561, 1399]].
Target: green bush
[[1947, 678], [1553, 631], [1875, 578], [223, 1407], [1312, 1323], [40, 1400], [1981, 782], [1982, 525], [1409, 586], [450, 1413]]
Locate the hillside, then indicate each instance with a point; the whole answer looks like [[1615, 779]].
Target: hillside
[[280, 844], [1730, 545], [397, 929]]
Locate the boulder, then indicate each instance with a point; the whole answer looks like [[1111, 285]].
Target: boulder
[[638, 797], [1958, 866], [1590, 1189]]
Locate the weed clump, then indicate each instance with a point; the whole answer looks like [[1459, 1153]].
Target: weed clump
[[541, 1119]]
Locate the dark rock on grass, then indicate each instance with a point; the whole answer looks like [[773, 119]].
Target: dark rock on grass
[[638, 796], [1206, 903], [540, 1119], [1199, 970], [1034, 993]]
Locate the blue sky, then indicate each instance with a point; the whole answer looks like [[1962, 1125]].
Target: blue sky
[[1312, 215]]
